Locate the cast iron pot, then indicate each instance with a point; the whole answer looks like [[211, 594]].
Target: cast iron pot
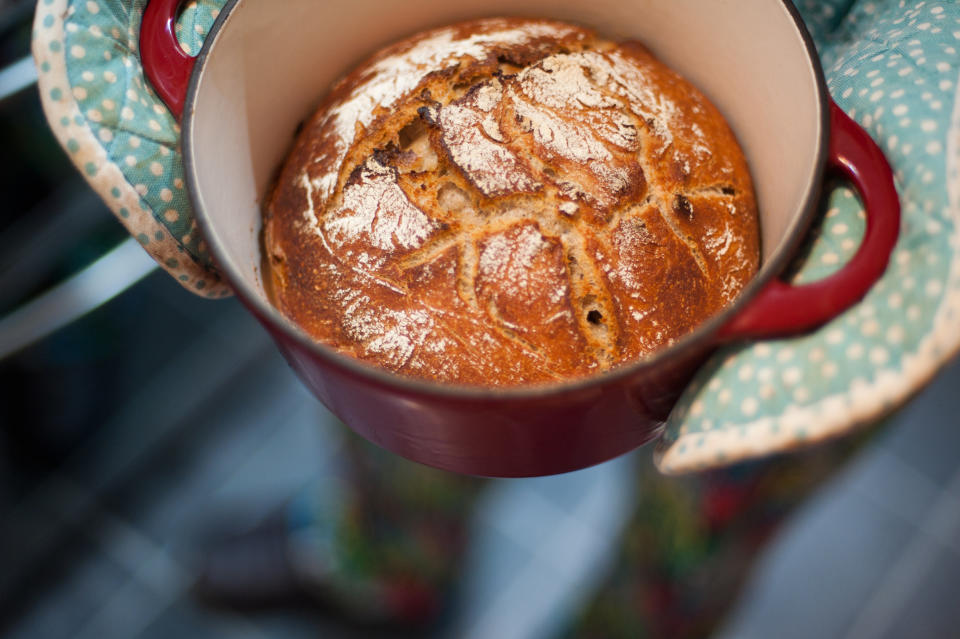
[[265, 65]]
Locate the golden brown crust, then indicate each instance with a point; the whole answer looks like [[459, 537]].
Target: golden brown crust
[[510, 201]]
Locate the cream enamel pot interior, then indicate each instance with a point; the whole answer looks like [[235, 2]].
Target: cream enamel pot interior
[[263, 69]]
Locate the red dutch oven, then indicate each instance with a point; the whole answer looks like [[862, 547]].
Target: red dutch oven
[[261, 71]]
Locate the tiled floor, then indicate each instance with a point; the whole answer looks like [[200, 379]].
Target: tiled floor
[[877, 553], [209, 429], [216, 436], [540, 548]]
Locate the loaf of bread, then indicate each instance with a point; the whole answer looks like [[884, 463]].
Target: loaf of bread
[[509, 201]]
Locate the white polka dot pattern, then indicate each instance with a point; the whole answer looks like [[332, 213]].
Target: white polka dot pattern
[[893, 66], [115, 129]]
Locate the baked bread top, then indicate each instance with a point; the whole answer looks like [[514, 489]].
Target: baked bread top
[[510, 201]]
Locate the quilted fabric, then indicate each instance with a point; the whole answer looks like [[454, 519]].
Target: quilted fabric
[[117, 131], [893, 66]]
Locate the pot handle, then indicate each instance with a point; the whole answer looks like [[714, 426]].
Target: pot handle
[[165, 63], [783, 309]]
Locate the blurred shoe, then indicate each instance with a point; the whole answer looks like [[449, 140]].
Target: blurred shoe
[[380, 544], [262, 569]]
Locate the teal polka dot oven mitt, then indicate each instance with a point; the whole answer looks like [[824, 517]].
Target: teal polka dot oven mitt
[[116, 130], [891, 64]]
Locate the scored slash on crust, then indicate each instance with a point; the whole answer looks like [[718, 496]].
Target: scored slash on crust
[[552, 178]]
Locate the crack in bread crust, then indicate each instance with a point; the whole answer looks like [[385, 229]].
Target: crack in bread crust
[[498, 198]]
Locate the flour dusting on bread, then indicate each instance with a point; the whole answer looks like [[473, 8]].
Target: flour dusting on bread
[[398, 71], [510, 201]]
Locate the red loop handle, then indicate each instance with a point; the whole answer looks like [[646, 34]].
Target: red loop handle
[[165, 63], [782, 309]]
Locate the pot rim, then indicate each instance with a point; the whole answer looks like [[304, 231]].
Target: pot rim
[[701, 338]]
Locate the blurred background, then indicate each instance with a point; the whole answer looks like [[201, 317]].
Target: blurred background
[[137, 420]]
